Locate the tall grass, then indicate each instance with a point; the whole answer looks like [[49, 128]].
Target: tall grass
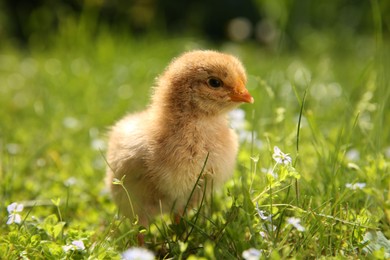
[[326, 109]]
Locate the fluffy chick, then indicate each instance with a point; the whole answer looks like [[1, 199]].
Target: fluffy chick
[[161, 151]]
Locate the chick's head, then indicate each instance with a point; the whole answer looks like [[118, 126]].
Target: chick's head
[[205, 82]]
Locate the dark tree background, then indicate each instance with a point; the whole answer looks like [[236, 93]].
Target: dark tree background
[[258, 19]]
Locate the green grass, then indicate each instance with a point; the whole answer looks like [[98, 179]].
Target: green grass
[[327, 107]]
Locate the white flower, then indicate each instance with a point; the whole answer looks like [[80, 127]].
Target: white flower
[[238, 123], [75, 245], [15, 207], [98, 144], [237, 119], [252, 254], [280, 157], [296, 222], [263, 234], [71, 122], [262, 214], [356, 186], [137, 253], [70, 181], [353, 155], [13, 210], [78, 244], [13, 148], [14, 218]]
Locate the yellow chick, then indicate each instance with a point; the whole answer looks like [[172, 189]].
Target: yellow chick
[[160, 153]]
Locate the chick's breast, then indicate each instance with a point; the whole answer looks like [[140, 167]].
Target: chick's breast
[[177, 160]]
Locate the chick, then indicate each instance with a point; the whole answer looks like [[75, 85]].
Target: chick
[[160, 153]]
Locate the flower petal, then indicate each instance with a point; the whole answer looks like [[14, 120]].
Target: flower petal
[[17, 218], [11, 219], [79, 244], [277, 151], [137, 253], [19, 207], [252, 254], [296, 222], [11, 207]]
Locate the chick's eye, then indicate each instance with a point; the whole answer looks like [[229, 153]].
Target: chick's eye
[[214, 82]]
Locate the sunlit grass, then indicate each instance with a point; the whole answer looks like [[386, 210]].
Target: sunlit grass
[[57, 103]]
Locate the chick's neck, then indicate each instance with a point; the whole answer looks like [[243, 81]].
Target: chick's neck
[[172, 110], [183, 132], [176, 116]]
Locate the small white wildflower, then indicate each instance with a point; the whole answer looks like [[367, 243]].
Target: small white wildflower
[[78, 244], [353, 155], [98, 144], [356, 186], [71, 122], [137, 253], [280, 157], [75, 245], [252, 254], [70, 181], [296, 222], [13, 148], [14, 218], [13, 210], [237, 119], [41, 162], [238, 123], [15, 207], [262, 214]]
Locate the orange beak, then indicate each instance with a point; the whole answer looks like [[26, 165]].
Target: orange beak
[[241, 94]]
